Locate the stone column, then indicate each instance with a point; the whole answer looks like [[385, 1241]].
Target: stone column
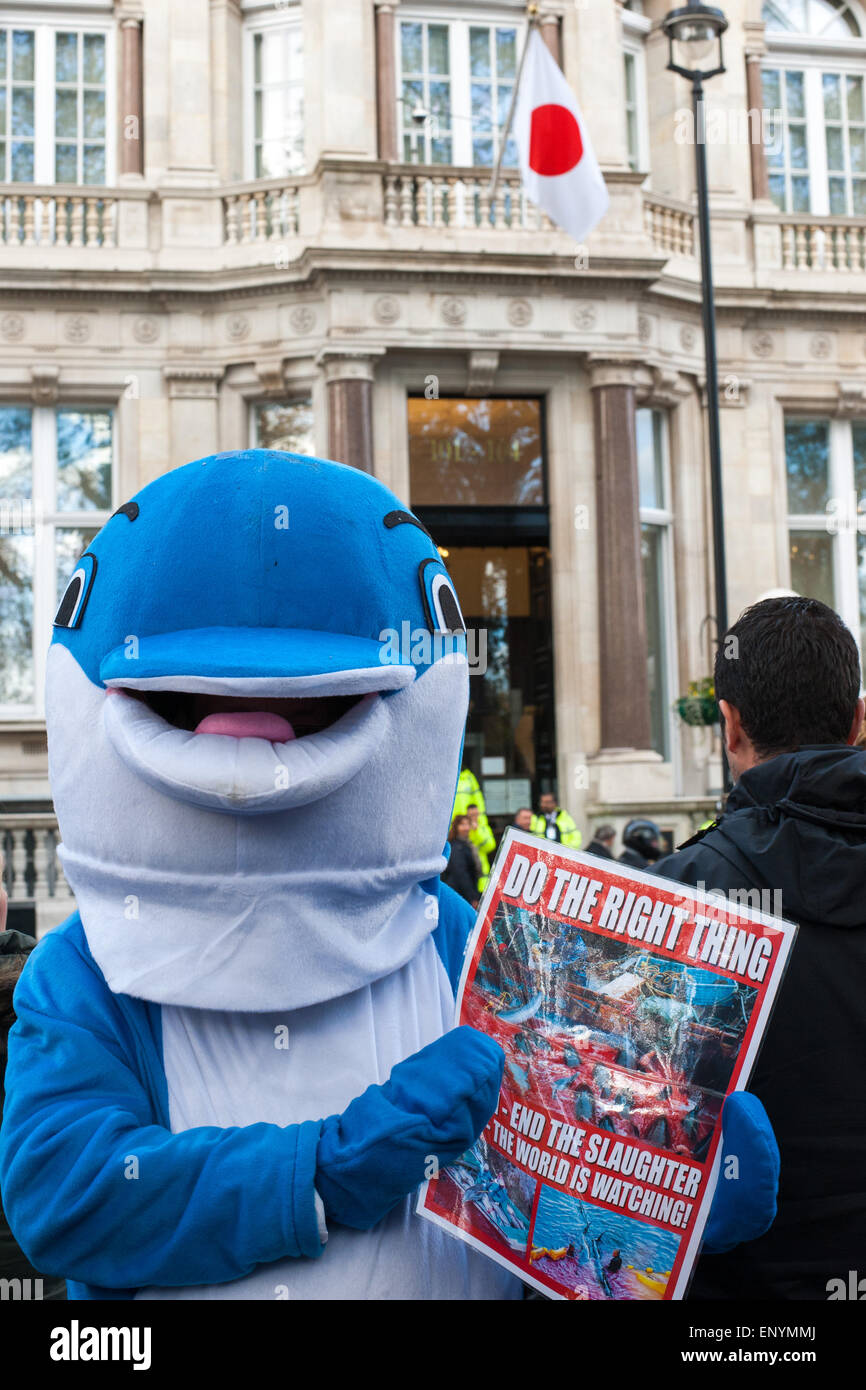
[[625, 706], [226, 47], [593, 66], [193, 393], [758, 155], [189, 83], [131, 128], [386, 77], [349, 381], [548, 27]]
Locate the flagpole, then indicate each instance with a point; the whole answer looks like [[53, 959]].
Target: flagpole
[[532, 12]]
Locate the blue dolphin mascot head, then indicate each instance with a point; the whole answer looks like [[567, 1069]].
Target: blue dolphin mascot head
[[256, 696]]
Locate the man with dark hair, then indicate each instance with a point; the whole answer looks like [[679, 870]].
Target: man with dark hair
[[792, 840]]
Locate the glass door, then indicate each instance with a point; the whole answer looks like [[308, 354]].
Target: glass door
[[477, 481]]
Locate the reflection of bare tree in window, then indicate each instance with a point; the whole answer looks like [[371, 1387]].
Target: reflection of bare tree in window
[[287, 426], [83, 460], [475, 452], [70, 543], [807, 456], [16, 459], [16, 619]]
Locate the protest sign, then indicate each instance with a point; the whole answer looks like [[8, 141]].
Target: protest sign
[[628, 1007]]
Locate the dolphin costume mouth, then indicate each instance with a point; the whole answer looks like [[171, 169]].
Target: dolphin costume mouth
[[242, 776], [248, 775]]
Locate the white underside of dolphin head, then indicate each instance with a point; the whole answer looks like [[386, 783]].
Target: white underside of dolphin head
[[221, 872]]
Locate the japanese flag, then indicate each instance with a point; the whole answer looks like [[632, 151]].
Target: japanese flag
[[559, 169]]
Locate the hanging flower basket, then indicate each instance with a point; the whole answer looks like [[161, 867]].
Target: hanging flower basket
[[698, 706]]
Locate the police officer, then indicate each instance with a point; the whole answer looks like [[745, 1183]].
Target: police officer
[[643, 844]]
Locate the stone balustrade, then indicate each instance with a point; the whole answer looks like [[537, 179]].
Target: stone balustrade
[[261, 213], [32, 870], [34, 215], [825, 244], [436, 197], [136, 228], [669, 225]]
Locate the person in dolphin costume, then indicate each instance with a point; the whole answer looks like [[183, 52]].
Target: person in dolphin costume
[[234, 1064]]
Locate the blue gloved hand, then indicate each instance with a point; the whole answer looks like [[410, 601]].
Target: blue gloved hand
[[744, 1203], [435, 1104]]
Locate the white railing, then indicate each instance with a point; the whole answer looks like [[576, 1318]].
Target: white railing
[[261, 213], [837, 244], [34, 215], [32, 870], [669, 225], [431, 196]]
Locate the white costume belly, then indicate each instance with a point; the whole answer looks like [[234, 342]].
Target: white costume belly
[[243, 1068]]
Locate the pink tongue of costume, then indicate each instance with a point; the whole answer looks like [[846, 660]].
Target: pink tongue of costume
[[248, 724]]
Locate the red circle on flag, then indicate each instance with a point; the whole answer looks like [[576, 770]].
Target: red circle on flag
[[555, 145]]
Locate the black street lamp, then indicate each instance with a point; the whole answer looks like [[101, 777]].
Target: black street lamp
[[695, 52]]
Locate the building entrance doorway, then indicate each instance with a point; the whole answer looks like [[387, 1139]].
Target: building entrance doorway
[[478, 484]]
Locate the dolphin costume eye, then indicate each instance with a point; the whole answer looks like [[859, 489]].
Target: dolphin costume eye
[[440, 601], [74, 600]]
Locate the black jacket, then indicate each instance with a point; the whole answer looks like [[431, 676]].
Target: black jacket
[[463, 870], [596, 847], [797, 824], [14, 950], [633, 859]]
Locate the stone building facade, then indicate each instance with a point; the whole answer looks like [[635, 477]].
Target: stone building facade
[[225, 223]]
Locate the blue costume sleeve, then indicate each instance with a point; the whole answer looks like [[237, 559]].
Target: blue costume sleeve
[[95, 1190], [456, 920], [744, 1203]]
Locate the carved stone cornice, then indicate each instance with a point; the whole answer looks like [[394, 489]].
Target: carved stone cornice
[[755, 45], [734, 389], [663, 385], [354, 363], [271, 374], [608, 370], [852, 397], [46, 384], [483, 366], [192, 383]]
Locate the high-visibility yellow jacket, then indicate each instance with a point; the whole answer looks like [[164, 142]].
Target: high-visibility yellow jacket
[[568, 832], [468, 793], [484, 840]]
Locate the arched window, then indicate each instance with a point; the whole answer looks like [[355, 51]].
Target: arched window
[[814, 88]]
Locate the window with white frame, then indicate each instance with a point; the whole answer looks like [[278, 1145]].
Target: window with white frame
[[56, 486], [56, 102], [656, 524], [455, 79], [813, 90], [274, 94], [634, 31], [284, 425], [825, 462]]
